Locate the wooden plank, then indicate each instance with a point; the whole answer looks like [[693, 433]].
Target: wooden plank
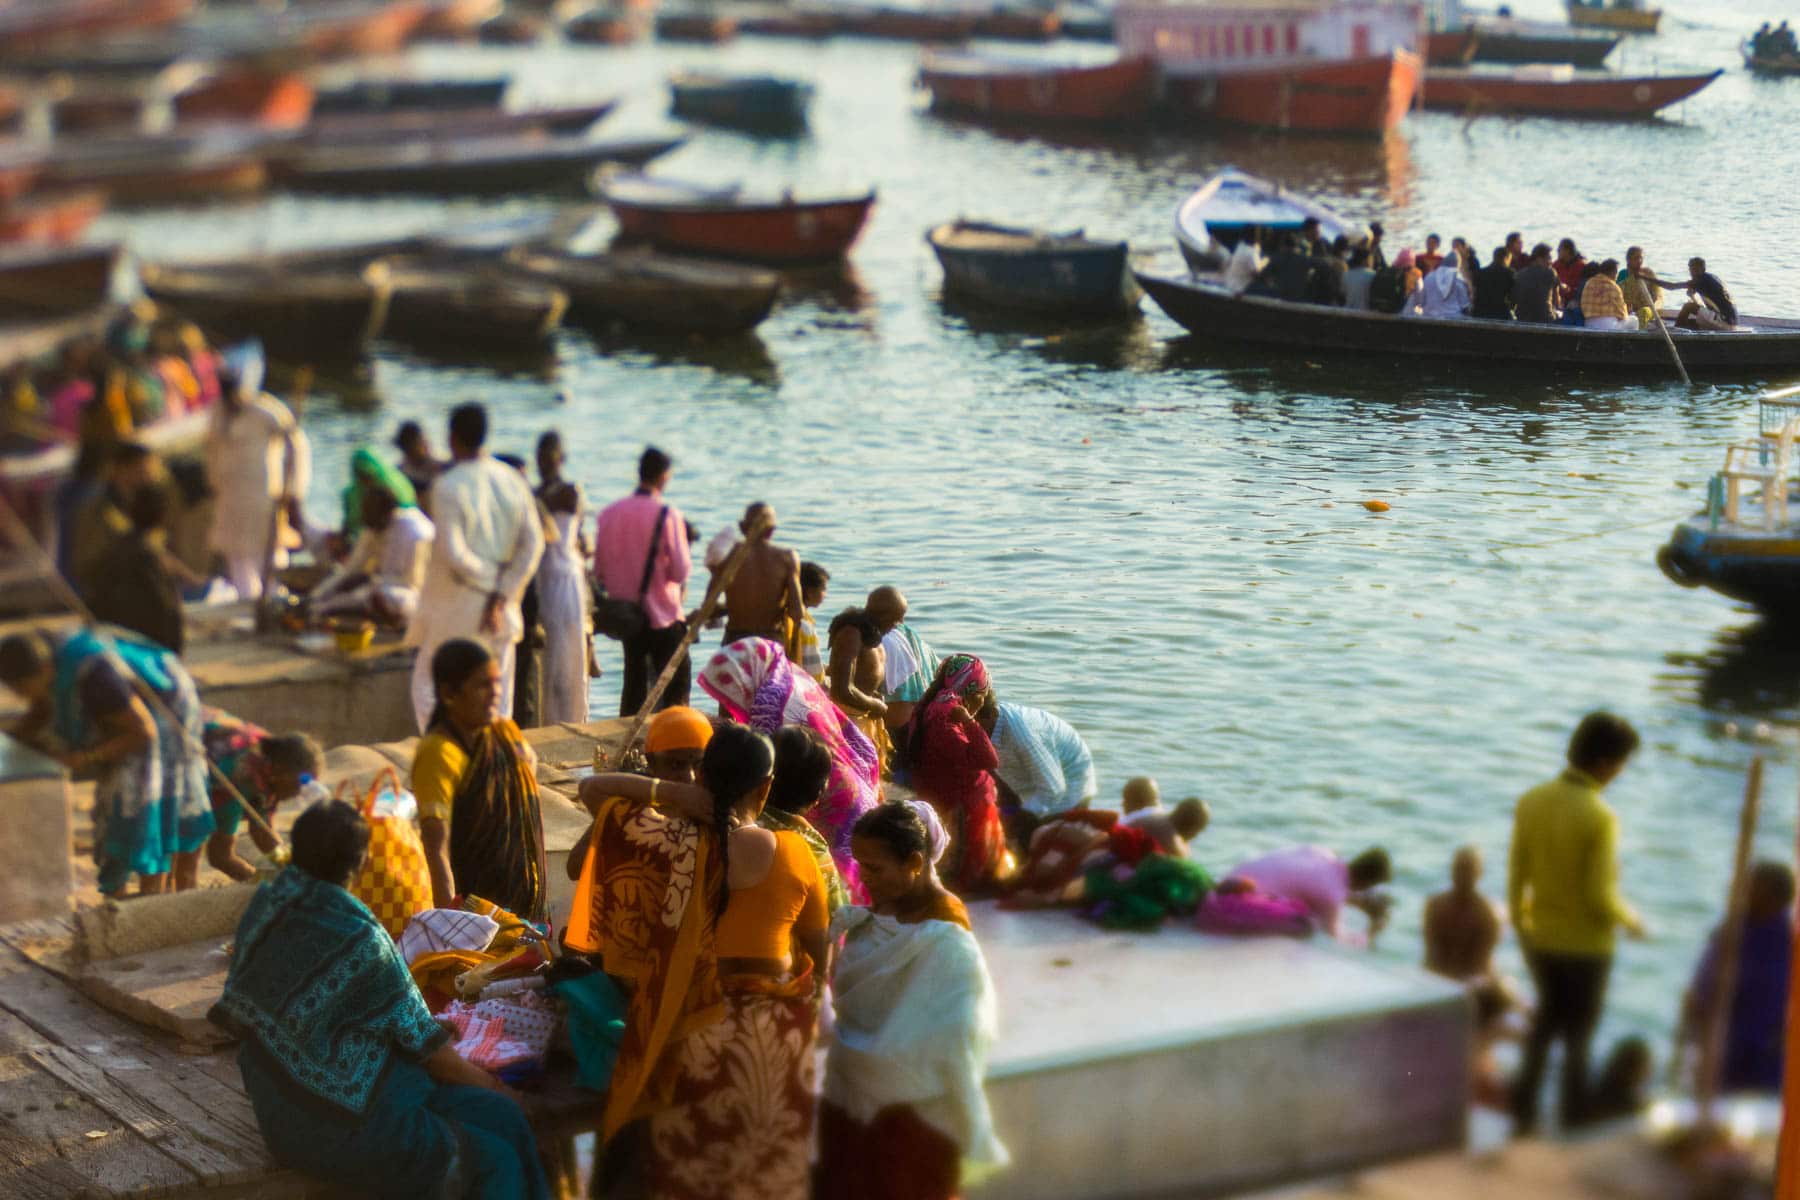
[[108, 1158], [31, 1170]]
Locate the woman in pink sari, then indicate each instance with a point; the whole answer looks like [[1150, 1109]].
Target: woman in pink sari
[[757, 686]]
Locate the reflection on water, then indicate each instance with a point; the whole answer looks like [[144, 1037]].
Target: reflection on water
[[1750, 671]]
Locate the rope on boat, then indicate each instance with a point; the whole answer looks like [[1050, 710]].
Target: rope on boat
[[1499, 551]]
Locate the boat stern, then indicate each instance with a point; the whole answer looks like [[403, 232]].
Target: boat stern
[[1760, 567]]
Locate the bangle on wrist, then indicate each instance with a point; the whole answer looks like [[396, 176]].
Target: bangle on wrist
[[653, 784]]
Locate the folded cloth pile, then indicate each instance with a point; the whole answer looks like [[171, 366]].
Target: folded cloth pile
[[508, 1035]]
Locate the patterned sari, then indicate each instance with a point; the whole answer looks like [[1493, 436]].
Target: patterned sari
[[759, 687], [496, 825]]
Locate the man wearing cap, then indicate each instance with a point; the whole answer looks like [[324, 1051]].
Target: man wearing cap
[[259, 463], [674, 742]]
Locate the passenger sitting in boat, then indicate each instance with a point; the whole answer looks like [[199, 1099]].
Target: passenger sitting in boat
[[1494, 288], [1709, 305], [1324, 883], [1573, 313], [1392, 285], [1378, 259], [1602, 303], [1515, 248], [1639, 283], [1329, 268], [1535, 288], [1358, 280], [1288, 275], [1312, 238], [382, 574], [1759, 41], [1781, 42], [1466, 259], [1428, 259], [1569, 267], [1444, 294], [1245, 264]]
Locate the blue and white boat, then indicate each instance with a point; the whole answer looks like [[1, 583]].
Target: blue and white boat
[[1745, 544], [759, 103], [1210, 223], [1040, 272]]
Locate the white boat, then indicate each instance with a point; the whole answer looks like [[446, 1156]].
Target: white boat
[[1210, 223]]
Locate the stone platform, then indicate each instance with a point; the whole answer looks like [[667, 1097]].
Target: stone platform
[[1176, 1064]]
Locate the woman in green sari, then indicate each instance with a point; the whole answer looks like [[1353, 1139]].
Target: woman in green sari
[[367, 471], [352, 1081]]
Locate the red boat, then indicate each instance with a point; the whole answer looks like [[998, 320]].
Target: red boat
[[36, 280], [725, 223], [1021, 90], [363, 31], [273, 101], [1557, 91], [1367, 96], [1019, 25], [1451, 47], [811, 23], [456, 20], [53, 219], [911, 25], [606, 27]]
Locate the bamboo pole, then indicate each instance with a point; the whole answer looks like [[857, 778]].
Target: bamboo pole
[[715, 592], [16, 530], [1669, 341], [1731, 942]]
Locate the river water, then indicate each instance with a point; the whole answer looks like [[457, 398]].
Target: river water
[[1166, 543]]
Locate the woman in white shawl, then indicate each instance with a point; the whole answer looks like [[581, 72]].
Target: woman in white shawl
[[904, 1115], [1443, 294]]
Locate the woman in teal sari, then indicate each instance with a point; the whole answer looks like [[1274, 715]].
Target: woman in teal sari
[[152, 811], [352, 1080], [367, 471]]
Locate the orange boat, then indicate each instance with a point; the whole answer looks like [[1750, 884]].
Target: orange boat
[[1355, 96], [33, 25], [50, 218], [1558, 92], [152, 179], [18, 176], [695, 26], [727, 223], [274, 101], [384, 29], [1026, 90]]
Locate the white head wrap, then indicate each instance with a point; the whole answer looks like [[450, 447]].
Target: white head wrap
[[937, 839]]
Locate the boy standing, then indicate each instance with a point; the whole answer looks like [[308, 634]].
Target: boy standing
[[813, 582]]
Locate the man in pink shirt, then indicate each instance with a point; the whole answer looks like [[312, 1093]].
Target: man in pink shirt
[[1323, 882], [645, 530]]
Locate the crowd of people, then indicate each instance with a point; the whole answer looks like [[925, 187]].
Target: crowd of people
[[1538, 285]]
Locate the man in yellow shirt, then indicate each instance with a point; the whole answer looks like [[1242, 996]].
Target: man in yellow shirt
[[1563, 892]]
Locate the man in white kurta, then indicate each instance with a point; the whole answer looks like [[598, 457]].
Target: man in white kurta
[[488, 544], [256, 457]]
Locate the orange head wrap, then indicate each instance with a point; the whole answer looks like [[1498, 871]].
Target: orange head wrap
[[678, 728]]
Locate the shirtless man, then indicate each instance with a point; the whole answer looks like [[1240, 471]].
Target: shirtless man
[[1172, 829], [1461, 926], [765, 593]]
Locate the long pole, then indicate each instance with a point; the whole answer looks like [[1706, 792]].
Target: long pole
[[715, 592], [1669, 341], [1731, 944], [16, 530]]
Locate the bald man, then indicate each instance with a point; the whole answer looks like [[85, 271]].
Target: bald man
[[764, 595], [910, 665]]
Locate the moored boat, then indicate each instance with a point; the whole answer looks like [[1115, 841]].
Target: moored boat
[[445, 124], [456, 20], [392, 95], [1083, 21], [606, 27], [274, 100], [813, 24], [143, 178], [1628, 15], [510, 28], [50, 218], [1029, 269], [303, 313], [19, 175], [1557, 91], [358, 30], [1745, 544], [1019, 24], [38, 281], [1511, 40], [760, 103], [695, 25], [1025, 90], [1367, 96], [652, 291], [910, 24], [730, 223], [473, 303], [468, 166], [1770, 64], [27, 26], [1210, 223], [1209, 310]]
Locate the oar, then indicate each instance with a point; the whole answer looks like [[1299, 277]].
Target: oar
[[1731, 943], [1680, 368]]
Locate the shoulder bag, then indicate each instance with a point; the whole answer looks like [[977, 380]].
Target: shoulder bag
[[622, 619]]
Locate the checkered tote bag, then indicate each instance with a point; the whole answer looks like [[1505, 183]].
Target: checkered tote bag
[[394, 882]]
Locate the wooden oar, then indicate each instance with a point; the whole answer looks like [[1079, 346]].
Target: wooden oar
[[1669, 341], [714, 593], [1731, 942]]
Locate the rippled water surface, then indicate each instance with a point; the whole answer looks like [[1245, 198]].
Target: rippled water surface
[[1166, 543]]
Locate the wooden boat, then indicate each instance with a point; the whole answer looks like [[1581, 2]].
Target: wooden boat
[[40, 281], [456, 20], [911, 24], [1209, 310], [30, 25], [1039, 272], [363, 128], [1086, 22], [1347, 96], [28, 341], [695, 25], [299, 313], [1511, 40], [1628, 15], [607, 27], [813, 24], [760, 103], [1019, 24], [651, 291], [1745, 544], [142, 179], [408, 95], [728, 223], [18, 175], [471, 303], [1211, 222], [358, 30], [513, 29], [50, 218], [1557, 91], [1451, 47], [1024, 90], [1764, 64], [468, 166], [274, 100]]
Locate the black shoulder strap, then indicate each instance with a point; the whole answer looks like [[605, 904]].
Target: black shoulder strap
[[662, 518]]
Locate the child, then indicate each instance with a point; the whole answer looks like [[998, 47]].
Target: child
[[1174, 829], [814, 580], [1140, 795], [1461, 926]]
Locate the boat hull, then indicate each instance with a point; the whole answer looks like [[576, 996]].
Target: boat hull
[[758, 105], [1630, 20], [1511, 45], [274, 101], [436, 307], [782, 234], [37, 283], [1354, 96], [1089, 280], [52, 220], [1759, 569], [474, 174], [704, 28], [1122, 91], [647, 291], [405, 95], [1604, 96], [149, 182], [1019, 25], [1209, 311], [1771, 66], [911, 25], [335, 321]]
